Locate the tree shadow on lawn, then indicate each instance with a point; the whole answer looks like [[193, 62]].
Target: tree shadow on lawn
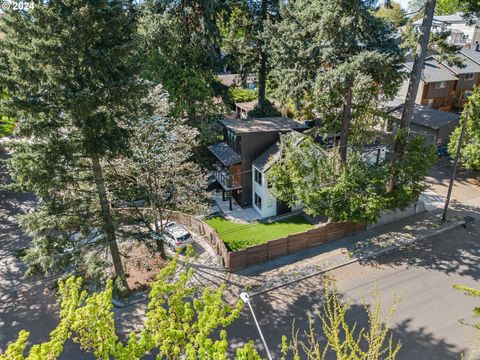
[[276, 316]]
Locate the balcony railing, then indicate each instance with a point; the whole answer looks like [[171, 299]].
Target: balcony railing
[[227, 181]]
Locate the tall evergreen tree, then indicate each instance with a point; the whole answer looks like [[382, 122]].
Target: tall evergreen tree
[[180, 49], [337, 57], [73, 91]]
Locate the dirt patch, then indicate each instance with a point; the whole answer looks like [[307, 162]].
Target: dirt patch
[[141, 265]]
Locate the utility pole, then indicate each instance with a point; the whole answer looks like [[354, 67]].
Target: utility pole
[[246, 299], [455, 163]]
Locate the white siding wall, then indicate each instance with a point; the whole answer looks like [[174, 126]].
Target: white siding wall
[[370, 156], [269, 203]]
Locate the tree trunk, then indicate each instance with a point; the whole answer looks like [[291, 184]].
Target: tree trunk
[[347, 110], [262, 72], [416, 74], [159, 230], [415, 77], [107, 221]]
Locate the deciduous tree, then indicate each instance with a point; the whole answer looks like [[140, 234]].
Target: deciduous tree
[[159, 168], [470, 151], [182, 321], [393, 14], [343, 340], [306, 174]]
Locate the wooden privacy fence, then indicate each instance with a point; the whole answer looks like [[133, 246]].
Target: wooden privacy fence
[[257, 254]]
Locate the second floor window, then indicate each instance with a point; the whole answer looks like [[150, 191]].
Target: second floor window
[[258, 177], [469, 77], [441, 85]]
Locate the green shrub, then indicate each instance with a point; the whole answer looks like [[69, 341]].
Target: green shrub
[[267, 110], [242, 95], [7, 125]]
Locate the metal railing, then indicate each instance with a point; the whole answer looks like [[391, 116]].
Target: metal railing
[[227, 181]]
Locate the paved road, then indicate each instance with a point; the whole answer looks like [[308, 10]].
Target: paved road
[[467, 183], [23, 304], [423, 275]]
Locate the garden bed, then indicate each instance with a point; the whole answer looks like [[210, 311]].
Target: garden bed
[[238, 236]]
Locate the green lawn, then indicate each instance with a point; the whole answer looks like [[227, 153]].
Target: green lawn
[[240, 236]]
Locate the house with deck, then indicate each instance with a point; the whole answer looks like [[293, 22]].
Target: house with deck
[[243, 161]]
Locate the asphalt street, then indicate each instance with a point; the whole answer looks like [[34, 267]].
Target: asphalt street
[[427, 318]]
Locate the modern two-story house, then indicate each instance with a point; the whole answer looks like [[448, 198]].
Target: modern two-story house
[[246, 143]]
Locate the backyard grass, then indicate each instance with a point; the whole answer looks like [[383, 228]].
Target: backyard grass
[[239, 236]]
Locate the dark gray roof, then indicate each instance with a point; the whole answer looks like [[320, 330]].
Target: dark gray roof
[[470, 66], [433, 71], [425, 116], [269, 124], [225, 154], [267, 159], [472, 54]]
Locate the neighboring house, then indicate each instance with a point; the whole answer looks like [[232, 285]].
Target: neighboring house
[[437, 85], [468, 77], [236, 80], [464, 31], [245, 141], [436, 125]]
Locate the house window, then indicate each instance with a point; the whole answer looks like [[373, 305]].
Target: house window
[[258, 201], [441, 85], [258, 177], [469, 77], [269, 203], [465, 37]]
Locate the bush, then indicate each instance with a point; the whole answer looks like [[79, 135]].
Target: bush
[[7, 125], [268, 109], [242, 95]]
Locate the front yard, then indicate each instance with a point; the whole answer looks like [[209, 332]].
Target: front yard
[[238, 236]]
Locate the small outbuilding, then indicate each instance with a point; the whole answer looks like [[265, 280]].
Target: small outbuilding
[[435, 124]]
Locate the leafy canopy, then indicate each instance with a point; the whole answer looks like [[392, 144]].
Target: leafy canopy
[[470, 150]]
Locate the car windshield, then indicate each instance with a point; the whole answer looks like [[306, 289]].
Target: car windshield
[[184, 237]]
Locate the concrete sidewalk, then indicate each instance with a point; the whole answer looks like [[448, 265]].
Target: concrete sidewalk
[[334, 254]]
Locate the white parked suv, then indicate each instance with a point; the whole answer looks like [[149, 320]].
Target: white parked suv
[[177, 237]]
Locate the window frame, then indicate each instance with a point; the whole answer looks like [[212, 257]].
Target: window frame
[[438, 85], [258, 176], [470, 77], [257, 200]]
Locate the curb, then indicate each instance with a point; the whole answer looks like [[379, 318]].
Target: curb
[[380, 252]]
